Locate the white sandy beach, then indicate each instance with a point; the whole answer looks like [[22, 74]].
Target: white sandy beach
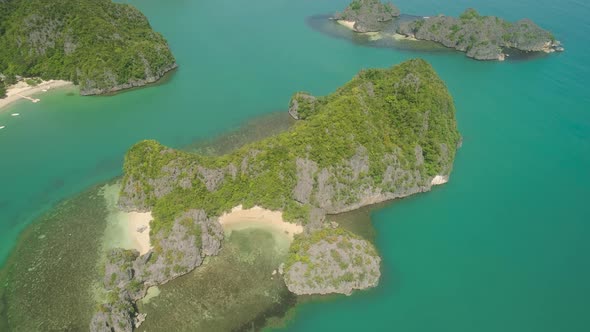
[[348, 24], [439, 179], [397, 36], [138, 228], [23, 90], [128, 230], [239, 218]]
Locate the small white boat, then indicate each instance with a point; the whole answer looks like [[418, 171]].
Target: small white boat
[[15, 114], [2, 127]]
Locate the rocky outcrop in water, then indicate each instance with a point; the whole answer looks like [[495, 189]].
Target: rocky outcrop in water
[[331, 261], [368, 15], [482, 37]]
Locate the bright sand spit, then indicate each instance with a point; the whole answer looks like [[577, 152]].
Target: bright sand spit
[[23, 90], [240, 218], [348, 24], [375, 35]]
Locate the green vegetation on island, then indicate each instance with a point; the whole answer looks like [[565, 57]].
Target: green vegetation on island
[[331, 260], [386, 134], [2, 89], [482, 37], [368, 15], [100, 45]]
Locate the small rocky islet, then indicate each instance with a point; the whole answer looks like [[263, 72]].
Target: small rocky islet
[[479, 37], [386, 134]]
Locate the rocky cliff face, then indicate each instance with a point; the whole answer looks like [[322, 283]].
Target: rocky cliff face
[[54, 40], [368, 15], [331, 261], [127, 276], [354, 148], [481, 37]]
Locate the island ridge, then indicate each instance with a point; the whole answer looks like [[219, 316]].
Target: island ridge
[[388, 133]]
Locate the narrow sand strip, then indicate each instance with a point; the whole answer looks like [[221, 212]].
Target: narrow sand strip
[[239, 218], [23, 90], [398, 36]]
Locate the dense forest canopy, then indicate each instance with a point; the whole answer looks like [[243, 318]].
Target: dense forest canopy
[[100, 45]]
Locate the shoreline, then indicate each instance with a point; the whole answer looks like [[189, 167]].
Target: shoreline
[[348, 24], [375, 35], [127, 230], [239, 218], [22, 90]]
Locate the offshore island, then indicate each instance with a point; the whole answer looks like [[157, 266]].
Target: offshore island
[[99, 45], [386, 134], [479, 37]]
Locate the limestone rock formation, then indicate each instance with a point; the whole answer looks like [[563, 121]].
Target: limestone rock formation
[[368, 15], [331, 261]]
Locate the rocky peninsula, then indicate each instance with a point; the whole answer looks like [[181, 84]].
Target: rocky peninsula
[[55, 40], [480, 37], [386, 134]]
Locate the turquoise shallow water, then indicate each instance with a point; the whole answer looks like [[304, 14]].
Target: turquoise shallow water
[[502, 247]]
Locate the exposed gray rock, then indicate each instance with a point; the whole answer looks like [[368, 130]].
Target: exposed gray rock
[[302, 105], [192, 237], [481, 37], [91, 87], [128, 275], [116, 317], [419, 155], [332, 261], [211, 177], [306, 170]]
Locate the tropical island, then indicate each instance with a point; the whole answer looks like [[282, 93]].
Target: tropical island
[[480, 37], [99, 45], [386, 134]]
